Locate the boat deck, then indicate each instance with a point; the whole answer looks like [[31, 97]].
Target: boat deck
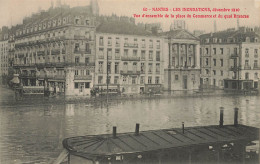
[[153, 140]]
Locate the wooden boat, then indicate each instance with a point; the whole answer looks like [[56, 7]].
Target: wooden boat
[[203, 144]]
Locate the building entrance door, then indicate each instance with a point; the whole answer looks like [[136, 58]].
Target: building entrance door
[[81, 87]]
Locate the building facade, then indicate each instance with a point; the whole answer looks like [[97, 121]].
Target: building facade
[[4, 49], [130, 57], [182, 69], [55, 49], [229, 59]]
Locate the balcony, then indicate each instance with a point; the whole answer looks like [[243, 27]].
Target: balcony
[[27, 75], [131, 45], [247, 67], [79, 37], [130, 72], [100, 56], [86, 77], [233, 56], [39, 53], [130, 58], [117, 57], [256, 67], [55, 52], [78, 51], [234, 68]]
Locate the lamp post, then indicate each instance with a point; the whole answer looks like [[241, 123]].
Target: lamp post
[[169, 64]]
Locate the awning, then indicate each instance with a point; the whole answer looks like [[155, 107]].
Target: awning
[[15, 80]]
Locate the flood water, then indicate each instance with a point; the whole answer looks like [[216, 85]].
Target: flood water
[[33, 133]]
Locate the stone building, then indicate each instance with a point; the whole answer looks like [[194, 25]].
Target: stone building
[[130, 56], [230, 56], [57, 46], [181, 56], [3, 59]]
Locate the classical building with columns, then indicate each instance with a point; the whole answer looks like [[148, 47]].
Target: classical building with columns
[[55, 49], [182, 62]]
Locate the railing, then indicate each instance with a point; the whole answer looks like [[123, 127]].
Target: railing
[[233, 56], [130, 72], [23, 75], [100, 56], [247, 67], [256, 67], [86, 77], [131, 45], [130, 58], [82, 51], [117, 57]]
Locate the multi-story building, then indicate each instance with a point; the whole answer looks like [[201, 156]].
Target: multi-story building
[[3, 60], [129, 56], [55, 49], [229, 59], [182, 69]]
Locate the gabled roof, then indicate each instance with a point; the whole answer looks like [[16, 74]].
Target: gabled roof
[[179, 34], [146, 141], [121, 27]]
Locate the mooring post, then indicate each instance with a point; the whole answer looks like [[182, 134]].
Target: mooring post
[[221, 119], [114, 131], [236, 117], [137, 126], [182, 127]]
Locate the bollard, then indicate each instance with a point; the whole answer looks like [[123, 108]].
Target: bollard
[[114, 131], [182, 127], [235, 116], [137, 126], [221, 120]]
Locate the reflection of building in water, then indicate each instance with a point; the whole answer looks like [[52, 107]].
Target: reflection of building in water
[[70, 110], [230, 59]]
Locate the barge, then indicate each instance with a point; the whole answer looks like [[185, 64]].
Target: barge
[[202, 144]]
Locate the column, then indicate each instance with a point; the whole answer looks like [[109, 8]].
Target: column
[[170, 54], [178, 52], [196, 56], [186, 62]]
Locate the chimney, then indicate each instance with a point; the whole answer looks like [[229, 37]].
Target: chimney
[[215, 26], [182, 127], [114, 131], [137, 126]]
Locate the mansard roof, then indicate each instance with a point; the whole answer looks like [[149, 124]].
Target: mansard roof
[[179, 34], [121, 27], [239, 35]]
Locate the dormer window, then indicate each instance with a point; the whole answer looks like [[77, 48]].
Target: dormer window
[[44, 26], [59, 22], [77, 21], [40, 26], [35, 28], [54, 23], [49, 24], [256, 40], [87, 22], [64, 20]]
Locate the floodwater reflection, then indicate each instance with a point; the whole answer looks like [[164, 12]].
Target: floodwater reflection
[[34, 133]]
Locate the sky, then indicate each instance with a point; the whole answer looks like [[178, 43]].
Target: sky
[[13, 11]]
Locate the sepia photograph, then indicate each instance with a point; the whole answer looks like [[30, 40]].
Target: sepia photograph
[[129, 81]]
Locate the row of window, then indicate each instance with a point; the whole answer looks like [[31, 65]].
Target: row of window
[[134, 53], [229, 40], [129, 80], [127, 43], [125, 67]]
